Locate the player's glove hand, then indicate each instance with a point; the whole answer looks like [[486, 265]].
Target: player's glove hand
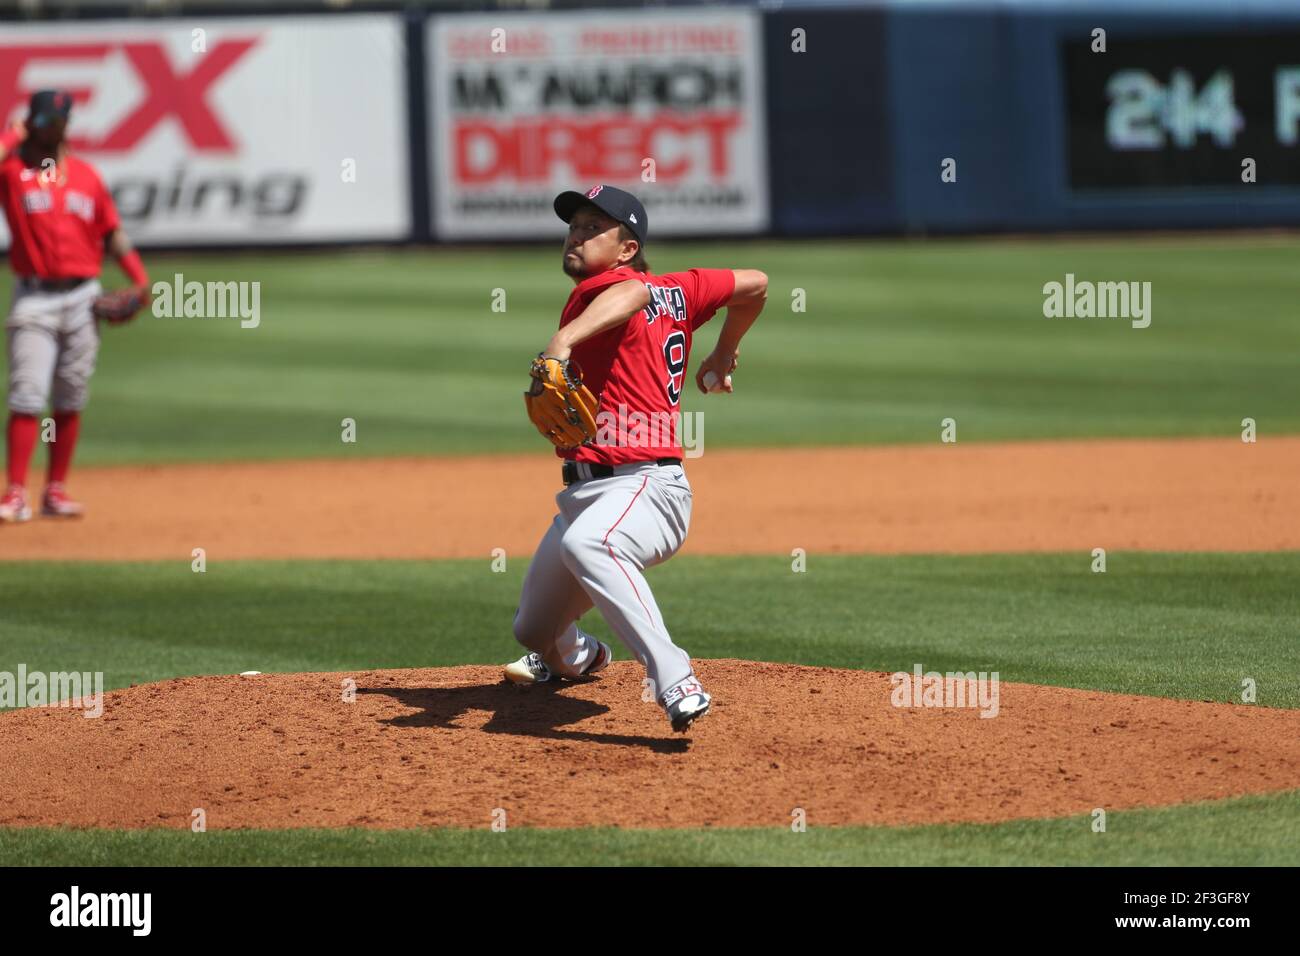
[[118, 306], [562, 408]]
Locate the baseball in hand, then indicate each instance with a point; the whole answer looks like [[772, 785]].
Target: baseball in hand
[[712, 384]]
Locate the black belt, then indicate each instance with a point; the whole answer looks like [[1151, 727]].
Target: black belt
[[54, 285], [571, 474]]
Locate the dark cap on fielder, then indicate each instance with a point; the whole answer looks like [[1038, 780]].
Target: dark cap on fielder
[[46, 105], [618, 204]]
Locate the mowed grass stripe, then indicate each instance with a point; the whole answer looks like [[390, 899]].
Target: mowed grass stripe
[[1191, 626], [894, 336]]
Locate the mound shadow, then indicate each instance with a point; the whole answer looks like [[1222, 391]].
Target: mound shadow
[[541, 711]]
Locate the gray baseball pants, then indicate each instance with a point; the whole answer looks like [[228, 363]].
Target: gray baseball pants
[[607, 532], [53, 342]]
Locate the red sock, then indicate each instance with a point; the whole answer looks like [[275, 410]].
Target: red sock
[[66, 427], [21, 438]]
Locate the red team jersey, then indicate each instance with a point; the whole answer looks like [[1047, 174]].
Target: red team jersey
[[58, 228], [637, 370]]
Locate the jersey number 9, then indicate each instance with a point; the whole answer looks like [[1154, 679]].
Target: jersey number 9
[[675, 357]]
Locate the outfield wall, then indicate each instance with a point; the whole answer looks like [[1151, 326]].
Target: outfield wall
[[786, 118], [1152, 133]]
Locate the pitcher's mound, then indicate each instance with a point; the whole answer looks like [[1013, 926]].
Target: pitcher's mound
[[457, 747]]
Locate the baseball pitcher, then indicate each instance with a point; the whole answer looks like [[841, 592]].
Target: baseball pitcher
[[61, 218], [606, 392]]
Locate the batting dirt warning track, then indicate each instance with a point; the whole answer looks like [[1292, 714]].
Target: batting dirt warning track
[[1176, 495], [448, 746]]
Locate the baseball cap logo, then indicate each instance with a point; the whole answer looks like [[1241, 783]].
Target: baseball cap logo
[[594, 192]]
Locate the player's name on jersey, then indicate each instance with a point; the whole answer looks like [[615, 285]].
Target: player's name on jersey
[[180, 299]]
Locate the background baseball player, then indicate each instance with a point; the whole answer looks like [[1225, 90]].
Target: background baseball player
[[61, 218], [626, 504]]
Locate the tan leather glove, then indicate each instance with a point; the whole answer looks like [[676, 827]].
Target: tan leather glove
[[562, 408]]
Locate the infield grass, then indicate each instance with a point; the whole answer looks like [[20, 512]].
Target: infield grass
[[1173, 625], [1249, 831]]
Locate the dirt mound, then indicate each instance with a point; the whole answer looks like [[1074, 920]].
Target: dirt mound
[[1171, 495], [450, 746]]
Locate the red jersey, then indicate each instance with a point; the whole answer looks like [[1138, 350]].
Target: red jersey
[[58, 227], [637, 370]]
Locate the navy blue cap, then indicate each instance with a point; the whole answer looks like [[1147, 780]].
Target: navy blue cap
[[616, 203], [46, 105]]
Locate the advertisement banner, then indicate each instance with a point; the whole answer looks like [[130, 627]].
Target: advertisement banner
[[1171, 112], [666, 104], [266, 130]]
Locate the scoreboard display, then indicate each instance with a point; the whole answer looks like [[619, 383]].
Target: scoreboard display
[[1176, 112]]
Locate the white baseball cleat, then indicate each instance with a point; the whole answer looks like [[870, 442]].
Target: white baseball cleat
[[685, 702], [57, 503], [14, 506], [531, 669]]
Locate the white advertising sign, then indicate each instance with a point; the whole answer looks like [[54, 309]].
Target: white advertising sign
[[665, 104], [257, 130]]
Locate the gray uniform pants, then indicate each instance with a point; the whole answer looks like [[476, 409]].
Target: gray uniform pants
[[53, 341], [607, 532]]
